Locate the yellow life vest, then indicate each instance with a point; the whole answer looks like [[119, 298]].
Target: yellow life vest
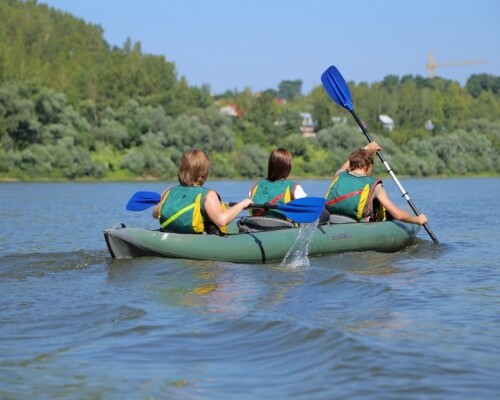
[[182, 210], [354, 196]]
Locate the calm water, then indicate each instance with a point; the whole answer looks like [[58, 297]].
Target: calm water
[[423, 323]]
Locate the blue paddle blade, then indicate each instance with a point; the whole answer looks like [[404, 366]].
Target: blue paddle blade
[[142, 200], [306, 203], [306, 209], [337, 89]]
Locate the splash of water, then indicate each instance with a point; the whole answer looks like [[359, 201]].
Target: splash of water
[[297, 254]]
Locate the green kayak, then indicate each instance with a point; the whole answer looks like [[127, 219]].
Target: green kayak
[[259, 247]]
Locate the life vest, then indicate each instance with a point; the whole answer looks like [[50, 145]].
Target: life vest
[[182, 210], [354, 196], [277, 192]]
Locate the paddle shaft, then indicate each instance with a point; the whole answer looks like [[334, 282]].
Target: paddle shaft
[[393, 176], [303, 210], [262, 206], [266, 206]]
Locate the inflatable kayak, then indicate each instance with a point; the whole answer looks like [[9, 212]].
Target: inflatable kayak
[[270, 245]]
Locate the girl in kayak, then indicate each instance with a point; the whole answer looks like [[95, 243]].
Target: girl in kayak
[[190, 207], [353, 192], [276, 188]]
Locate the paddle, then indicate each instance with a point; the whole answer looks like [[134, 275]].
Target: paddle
[[337, 89], [306, 209], [143, 200]]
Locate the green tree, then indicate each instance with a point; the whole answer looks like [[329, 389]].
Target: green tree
[[290, 90], [251, 161], [477, 84]]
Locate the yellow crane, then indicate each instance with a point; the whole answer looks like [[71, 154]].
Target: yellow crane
[[432, 64]]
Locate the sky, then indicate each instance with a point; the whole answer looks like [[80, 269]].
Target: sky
[[256, 44]]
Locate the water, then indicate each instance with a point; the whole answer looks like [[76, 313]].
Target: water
[[297, 255], [422, 323]]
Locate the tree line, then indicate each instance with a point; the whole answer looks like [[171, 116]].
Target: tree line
[[73, 107]]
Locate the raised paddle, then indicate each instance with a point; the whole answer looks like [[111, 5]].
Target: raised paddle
[[306, 209], [337, 89]]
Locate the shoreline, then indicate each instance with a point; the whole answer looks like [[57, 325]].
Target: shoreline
[[151, 179]]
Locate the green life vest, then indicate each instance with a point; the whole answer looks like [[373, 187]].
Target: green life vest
[[182, 210], [354, 196], [277, 192]]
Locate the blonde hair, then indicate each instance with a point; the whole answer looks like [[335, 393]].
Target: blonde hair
[[194, 168], [280, 164]]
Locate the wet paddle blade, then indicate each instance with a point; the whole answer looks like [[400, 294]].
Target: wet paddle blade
[[307, 203], [142, 200], [337, 89], [304, 210]]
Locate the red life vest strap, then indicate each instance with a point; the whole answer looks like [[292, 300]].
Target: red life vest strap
[[342, 198], [260, 212]]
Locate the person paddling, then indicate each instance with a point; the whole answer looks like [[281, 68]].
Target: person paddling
[[190, 207], [353, 192]]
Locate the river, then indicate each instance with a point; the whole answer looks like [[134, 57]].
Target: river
[[421, 323]]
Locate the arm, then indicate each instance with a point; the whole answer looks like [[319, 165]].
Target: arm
[[398, 213], [343, 167], [156, 209], [220, 216]]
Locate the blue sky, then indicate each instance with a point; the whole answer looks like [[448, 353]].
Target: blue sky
[[232, 45]]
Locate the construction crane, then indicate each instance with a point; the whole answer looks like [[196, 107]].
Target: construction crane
[[432, 64]]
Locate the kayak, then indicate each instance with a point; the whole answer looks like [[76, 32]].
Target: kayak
[[336, 236]]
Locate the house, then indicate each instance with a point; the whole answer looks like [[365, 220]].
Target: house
[[307, 126], [231, 110], [387, 122]]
